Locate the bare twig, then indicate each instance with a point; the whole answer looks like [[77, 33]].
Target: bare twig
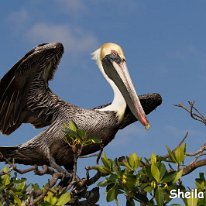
[[183, 140], [14, 167], [45, 170], [77, 151], [100, 153], [193, 111], [198, 152], [50, 184], [196, 115]]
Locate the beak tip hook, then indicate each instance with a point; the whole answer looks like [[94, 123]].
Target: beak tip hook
[[147, 126]]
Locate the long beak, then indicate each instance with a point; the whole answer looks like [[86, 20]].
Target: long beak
[[118, 72]]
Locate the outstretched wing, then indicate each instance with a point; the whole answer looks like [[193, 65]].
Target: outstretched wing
[[24, 92]]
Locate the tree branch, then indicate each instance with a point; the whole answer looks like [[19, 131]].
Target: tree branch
[[51, 183], [191, 167]]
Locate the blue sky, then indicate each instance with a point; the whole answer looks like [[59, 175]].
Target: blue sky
[[164, 44]]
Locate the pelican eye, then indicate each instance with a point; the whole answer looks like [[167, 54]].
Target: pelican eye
[[115, 56], [114, 53]]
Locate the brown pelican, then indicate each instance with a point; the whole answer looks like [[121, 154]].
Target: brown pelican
[[26, 98]]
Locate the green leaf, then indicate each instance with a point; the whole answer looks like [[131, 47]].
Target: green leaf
[[159, 196], [163, 170], [192, 201], [130, 202], [6, 176], [202, 176], [129, 180], [64, 198], [127, 165], [103, 170], [5, 170], [103, 183], [148, 188], [21, 185], [169, 177], [94, 140], [116, 166], [17, 201], [200, 184], [82, 133], [113, 178], [171, 154], [155, 172], [72, 126], [107, 162], [153, 158], [112, 193], [53, 200], [6, 179], [177, 176], [202, 201], [71, 135], [180, 153], [50, 198], [45, 204], [134, 161], [35, 186]]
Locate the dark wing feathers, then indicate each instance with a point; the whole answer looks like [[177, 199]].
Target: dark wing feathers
[[37, 65], [9, 99]]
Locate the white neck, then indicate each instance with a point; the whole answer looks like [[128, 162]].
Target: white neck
[[118, 104]]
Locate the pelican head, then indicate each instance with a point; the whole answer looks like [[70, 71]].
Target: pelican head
[[112, 63]]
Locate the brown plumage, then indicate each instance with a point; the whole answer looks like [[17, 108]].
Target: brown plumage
[[26, 98]]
